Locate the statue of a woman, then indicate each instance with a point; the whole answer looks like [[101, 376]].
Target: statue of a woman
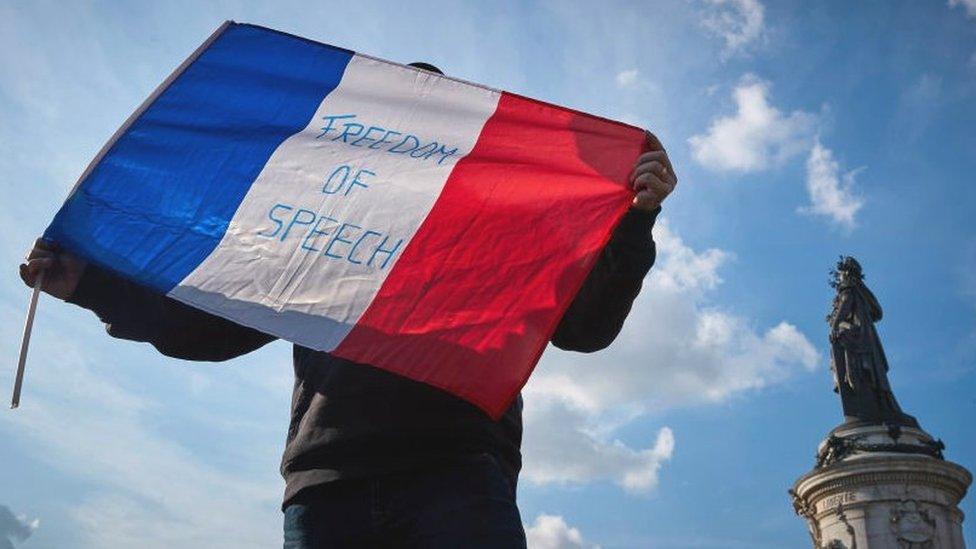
[[857, 358]]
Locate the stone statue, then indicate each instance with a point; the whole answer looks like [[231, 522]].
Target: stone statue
[[886, 478], [857, 358]]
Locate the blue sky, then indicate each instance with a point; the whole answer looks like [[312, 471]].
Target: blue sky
[[799, 130]]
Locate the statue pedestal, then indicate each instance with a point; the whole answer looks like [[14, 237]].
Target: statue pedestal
[[877, 487]]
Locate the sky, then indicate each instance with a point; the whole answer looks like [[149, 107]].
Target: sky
[[799, 131]]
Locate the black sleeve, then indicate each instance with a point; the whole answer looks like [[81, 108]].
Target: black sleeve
[[131, 311], [597, 314]]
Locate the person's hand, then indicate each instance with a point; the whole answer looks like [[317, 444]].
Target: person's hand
[[653, 177], [62, 270]]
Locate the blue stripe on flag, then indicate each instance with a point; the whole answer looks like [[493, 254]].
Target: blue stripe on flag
[[160, 201]]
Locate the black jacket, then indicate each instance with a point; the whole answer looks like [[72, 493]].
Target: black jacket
[[352, 420]]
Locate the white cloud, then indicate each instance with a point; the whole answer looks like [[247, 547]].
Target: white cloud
[[919, 107], [17, 527], [641, 99], [831, 193], [562, 447], [552, 532], [757, 136], [676, 350], [968, 5], [150, 490], [739, 23], [627, 78]]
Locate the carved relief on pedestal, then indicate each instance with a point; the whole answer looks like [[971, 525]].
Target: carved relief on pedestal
[[836, 543], [913, 526]]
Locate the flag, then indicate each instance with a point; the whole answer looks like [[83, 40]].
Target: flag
[[431, 227]]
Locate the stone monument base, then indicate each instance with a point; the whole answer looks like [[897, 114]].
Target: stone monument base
[[877, 487]]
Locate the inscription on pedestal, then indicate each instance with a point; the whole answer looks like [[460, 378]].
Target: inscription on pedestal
[[835, 500]]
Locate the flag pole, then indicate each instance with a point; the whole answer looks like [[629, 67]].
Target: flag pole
[[25, 341]]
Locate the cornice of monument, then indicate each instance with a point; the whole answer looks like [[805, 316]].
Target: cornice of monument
[[884, 469]]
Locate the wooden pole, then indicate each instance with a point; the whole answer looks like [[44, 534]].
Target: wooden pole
[[25, 342]]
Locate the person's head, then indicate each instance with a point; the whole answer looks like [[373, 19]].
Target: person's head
[[847, 272], [426, 67]]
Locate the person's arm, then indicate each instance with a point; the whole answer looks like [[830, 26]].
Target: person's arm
[[598, 311], [133, 312]]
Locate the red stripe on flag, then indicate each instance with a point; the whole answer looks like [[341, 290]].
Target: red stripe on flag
[[472, 302]]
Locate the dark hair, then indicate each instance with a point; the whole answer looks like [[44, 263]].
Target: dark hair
[[425, 67], [849, 266]]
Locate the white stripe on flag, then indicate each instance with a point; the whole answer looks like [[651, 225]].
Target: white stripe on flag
[[311, 244]]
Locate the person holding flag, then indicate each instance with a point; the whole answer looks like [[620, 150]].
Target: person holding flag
[[373, 459]]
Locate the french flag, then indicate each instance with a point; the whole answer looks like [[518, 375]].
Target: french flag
[[428, 226]]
